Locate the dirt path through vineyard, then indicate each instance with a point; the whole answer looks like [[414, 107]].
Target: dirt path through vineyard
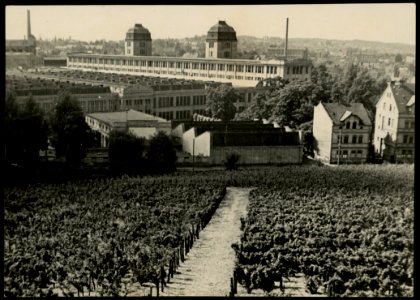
[[209, 265]]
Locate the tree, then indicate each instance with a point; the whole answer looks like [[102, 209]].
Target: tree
[[125, 152], [161, 154], [294, 104], [70, 134], [34, 132], [220, 102], [260, 108], [398, 58], [322, 83], [26, 131]]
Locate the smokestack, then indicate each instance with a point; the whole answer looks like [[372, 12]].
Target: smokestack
[[29, 24], [287, 38]]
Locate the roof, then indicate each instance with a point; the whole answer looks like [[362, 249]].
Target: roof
[[402, 94], [222, 26], [337, 111], [138, 32], [221, 31], [123, 116]]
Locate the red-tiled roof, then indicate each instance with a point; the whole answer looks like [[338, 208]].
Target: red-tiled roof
[[336, 111]]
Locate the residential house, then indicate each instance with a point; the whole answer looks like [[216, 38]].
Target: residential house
[[394, 123], [341, 133]]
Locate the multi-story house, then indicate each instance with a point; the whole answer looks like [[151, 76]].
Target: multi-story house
[[341, 133], [394, 123]]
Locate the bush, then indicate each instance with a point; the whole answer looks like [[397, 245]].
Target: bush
[[231, 161], [125, 153], [161, 154]]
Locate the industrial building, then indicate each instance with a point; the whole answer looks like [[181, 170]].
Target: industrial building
[[46, 92], [394, 123], [220, 64], [172, 99], [341, 133], [27, 45], [256, 143], [138, 123]]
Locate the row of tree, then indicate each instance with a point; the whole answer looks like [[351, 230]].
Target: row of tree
[[28, 130], [292, 103]]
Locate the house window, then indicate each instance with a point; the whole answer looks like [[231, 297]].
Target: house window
[[348, 125], [360, 139], [345, 153], [353, 153], [211, 45], [412, 124], [405, 139], [406, 124], [354, 139], [346, 139], [227, 45], [354, 125], [410, 139], [389, 121], [359, 153]]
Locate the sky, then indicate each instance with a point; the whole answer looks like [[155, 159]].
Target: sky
[[394, 23]]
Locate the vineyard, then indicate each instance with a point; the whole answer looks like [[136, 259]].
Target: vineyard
[[97, 237], [349, 230]]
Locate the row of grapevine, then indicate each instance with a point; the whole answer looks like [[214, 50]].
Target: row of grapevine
[[349, 230], [98, 237]]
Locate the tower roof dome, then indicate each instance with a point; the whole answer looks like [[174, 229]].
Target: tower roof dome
[[221, 31], [138, 32]]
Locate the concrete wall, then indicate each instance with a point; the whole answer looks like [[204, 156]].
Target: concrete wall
[[187, 140], [322, 132], [259, 154], [202, 144]]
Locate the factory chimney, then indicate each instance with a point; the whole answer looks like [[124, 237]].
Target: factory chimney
[[29, 24], [287, 39]]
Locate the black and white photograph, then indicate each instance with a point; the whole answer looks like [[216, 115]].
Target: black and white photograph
[[262, 150]]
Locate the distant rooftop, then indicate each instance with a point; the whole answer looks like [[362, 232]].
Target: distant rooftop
[[123, 116]]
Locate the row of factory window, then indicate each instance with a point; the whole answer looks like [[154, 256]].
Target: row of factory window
[[296, 70], [355, 139], [179, 114], [181, 73], [137, 102], [185, 65], [199, 100]]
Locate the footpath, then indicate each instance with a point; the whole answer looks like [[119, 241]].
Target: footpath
[[209, 264]]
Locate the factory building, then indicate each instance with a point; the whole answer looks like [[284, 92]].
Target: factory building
[[220, 64], [255, 143]]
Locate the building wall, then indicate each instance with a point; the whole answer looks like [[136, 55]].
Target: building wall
[[90, 103], [394, 136], [222, 49], [202, 144], [187, 140], [138, 48], [355, 150], [235, 71], [259, 154], [322, 132], [386, 122]]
